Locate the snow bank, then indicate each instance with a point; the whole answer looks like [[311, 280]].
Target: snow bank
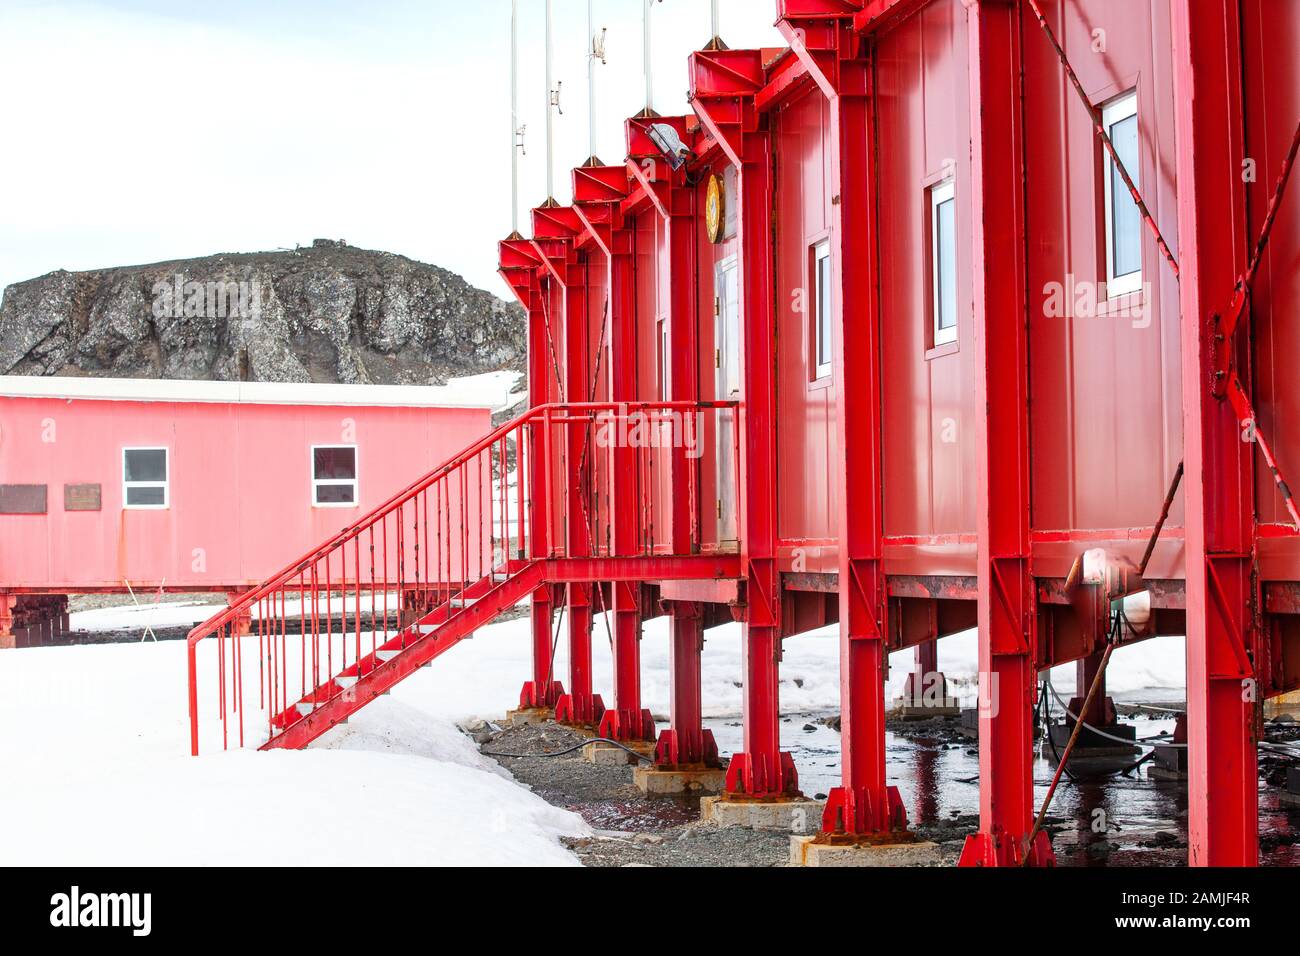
[[93, 740]]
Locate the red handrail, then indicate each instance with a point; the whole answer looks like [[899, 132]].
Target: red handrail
[[469, 500]]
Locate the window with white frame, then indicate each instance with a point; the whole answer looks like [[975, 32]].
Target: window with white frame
[[943, 262], [821, 268], [333, 476], [1123, 220], [144, 478]]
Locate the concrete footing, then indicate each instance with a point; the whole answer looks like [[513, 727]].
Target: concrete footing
[[1169, 763], [1291, 794], [804, 851], [677, 780], [911, 711], [604, 754], [529, 716], [795, 814]]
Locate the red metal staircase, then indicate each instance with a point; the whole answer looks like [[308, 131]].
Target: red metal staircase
[[386, 595]]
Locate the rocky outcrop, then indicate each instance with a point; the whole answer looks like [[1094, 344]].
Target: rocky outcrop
[[324, 313]]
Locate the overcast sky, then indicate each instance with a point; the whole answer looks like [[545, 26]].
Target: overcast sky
[[142, 130]]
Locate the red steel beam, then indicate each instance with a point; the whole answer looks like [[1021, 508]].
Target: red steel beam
[[626, 720], [580, 705], [542, 690], [1223, 643], [1007, 607], [675, 200], [863, 804], [723, 86]]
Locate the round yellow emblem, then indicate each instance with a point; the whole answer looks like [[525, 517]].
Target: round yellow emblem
[[714, 214]]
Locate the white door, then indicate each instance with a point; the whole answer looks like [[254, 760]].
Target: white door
[[726, 361]]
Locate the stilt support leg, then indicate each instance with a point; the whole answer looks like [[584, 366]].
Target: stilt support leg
[[543, 690], [686, 742]]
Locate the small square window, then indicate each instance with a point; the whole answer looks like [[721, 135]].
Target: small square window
[[821, 266], [144, 478], [1123, 219], [943, 262], [333, 476]]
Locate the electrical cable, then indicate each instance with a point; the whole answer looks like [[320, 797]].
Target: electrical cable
[[569, 750]]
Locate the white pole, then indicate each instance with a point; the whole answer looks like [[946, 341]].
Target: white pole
[[591, 80], [514, 117], [649, 70], [716, 26], [550, 115]]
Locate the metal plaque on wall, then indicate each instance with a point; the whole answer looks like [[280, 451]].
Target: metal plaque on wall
[[22, 499], [85, 497]]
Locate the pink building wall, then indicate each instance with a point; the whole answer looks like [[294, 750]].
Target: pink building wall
[[240, 481]]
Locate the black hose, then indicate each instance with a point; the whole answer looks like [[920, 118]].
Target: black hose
[[569, 750]]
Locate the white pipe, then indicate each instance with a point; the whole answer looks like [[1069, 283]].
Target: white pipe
[[550, 110], [514, 116], [590, 79], [649, 70], [715, 24]]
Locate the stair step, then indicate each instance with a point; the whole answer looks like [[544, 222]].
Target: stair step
[[304, 709], [386, 656], [461, 601], [499, 577], [424, 628], [346, 682]]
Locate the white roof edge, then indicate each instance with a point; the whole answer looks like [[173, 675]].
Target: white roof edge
[[235, 393]]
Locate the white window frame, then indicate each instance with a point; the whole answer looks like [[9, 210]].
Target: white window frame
[[316, 483], [941, 193], [165, 484], [1118, 109], [821, 252]]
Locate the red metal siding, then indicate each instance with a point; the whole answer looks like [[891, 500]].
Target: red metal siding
[[1271, 36], [805, 427], [1105, 389], [240, 491], [929, 456]]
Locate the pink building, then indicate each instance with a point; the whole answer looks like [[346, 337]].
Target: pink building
[[195, 486]]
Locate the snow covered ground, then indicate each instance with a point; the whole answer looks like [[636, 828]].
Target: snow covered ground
[[95, 741]]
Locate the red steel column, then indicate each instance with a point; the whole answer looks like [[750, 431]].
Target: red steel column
[[863, 804], [924, 683], [1085, 671], [762, 769], [1007, 602], [1223, 698], [543, 690], [627, 720], [686, 741], [579, 705]]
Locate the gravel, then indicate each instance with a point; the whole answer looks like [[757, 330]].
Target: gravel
[[631, 829]]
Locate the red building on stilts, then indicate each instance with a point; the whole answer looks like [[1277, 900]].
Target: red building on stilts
[[952, 314]]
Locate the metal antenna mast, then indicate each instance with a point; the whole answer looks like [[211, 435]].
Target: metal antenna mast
[[594, 53], [552, 101], [515, 131], [646, 55]]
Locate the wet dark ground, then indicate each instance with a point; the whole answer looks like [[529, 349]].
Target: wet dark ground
[[1097, 819]]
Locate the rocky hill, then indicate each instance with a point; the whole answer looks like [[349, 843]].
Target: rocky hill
[[324, 313]]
